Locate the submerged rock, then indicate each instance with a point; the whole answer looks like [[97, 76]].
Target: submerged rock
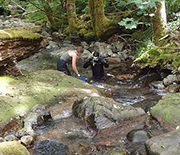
[[47, 147]]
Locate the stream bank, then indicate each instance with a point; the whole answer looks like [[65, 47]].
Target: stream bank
[[66, 134]]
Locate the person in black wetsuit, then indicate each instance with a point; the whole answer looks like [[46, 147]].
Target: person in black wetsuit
[[97, 65]]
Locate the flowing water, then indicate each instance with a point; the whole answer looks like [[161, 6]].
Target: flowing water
[[70, 135]]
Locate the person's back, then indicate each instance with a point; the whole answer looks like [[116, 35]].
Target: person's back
[[66, 57]]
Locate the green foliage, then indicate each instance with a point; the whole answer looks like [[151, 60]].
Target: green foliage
[[129, 23], [118, 5], [172, 7], [142, 35], [142, 9], [81, 6], [143, 48], [35, 16], [151, 56], [173, 25], [4, 2], [36, 5]]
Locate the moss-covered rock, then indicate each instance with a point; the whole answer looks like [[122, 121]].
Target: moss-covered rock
[[167, 110], [18, 95], [13, 148], [89, 36], [18, 34], [82, 32], [18, 44], [165, 58]]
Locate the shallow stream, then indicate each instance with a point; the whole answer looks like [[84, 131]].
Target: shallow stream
[[70, 135]]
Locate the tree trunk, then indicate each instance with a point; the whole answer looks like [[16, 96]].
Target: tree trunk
[[71, 13], [101, 25], [48, 11], [159, 21], [96, 9]]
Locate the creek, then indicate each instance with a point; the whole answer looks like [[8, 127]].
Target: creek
[[70, 135]]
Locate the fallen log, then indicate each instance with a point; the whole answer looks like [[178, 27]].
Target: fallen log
[[16, 45]]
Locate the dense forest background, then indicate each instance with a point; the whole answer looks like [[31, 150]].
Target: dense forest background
[[152, 27]]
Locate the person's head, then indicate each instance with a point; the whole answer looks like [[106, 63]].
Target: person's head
[[95, 55], [79, 50]]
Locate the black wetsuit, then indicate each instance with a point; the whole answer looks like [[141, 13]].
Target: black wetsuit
[[97, 67]]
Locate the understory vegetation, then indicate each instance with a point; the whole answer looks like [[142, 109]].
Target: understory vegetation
[[136, 22]]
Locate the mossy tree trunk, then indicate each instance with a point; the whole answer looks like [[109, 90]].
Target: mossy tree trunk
[[101, 25], [96, 10], [71, 13], [159, 21]]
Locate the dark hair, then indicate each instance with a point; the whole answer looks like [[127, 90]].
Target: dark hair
[[80, 49], [95, 53]]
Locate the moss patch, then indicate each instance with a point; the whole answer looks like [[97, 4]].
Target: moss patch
[[162, 57], [167, 110], [18, 95], [8, 148], [18, 34]]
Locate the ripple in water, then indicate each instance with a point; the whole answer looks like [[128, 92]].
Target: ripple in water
[[130, 101]]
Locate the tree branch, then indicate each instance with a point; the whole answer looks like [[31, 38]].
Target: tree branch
[[18, 5], [24, 14]]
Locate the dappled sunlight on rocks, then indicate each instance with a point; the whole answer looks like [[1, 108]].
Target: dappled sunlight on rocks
[[89, 91]]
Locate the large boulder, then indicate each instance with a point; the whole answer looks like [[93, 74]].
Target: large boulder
[[170, 79], [47, 87], [16, 45], [167, 111], [165, 144], [102, 112], [13, 147]]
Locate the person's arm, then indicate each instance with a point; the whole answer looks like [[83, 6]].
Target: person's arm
[[87, 63], [103, 61], [74, 59]]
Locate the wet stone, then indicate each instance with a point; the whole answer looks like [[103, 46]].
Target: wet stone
[[47, 147], [138, 135]]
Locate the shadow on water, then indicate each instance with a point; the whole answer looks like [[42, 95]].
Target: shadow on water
[[70, 135]]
